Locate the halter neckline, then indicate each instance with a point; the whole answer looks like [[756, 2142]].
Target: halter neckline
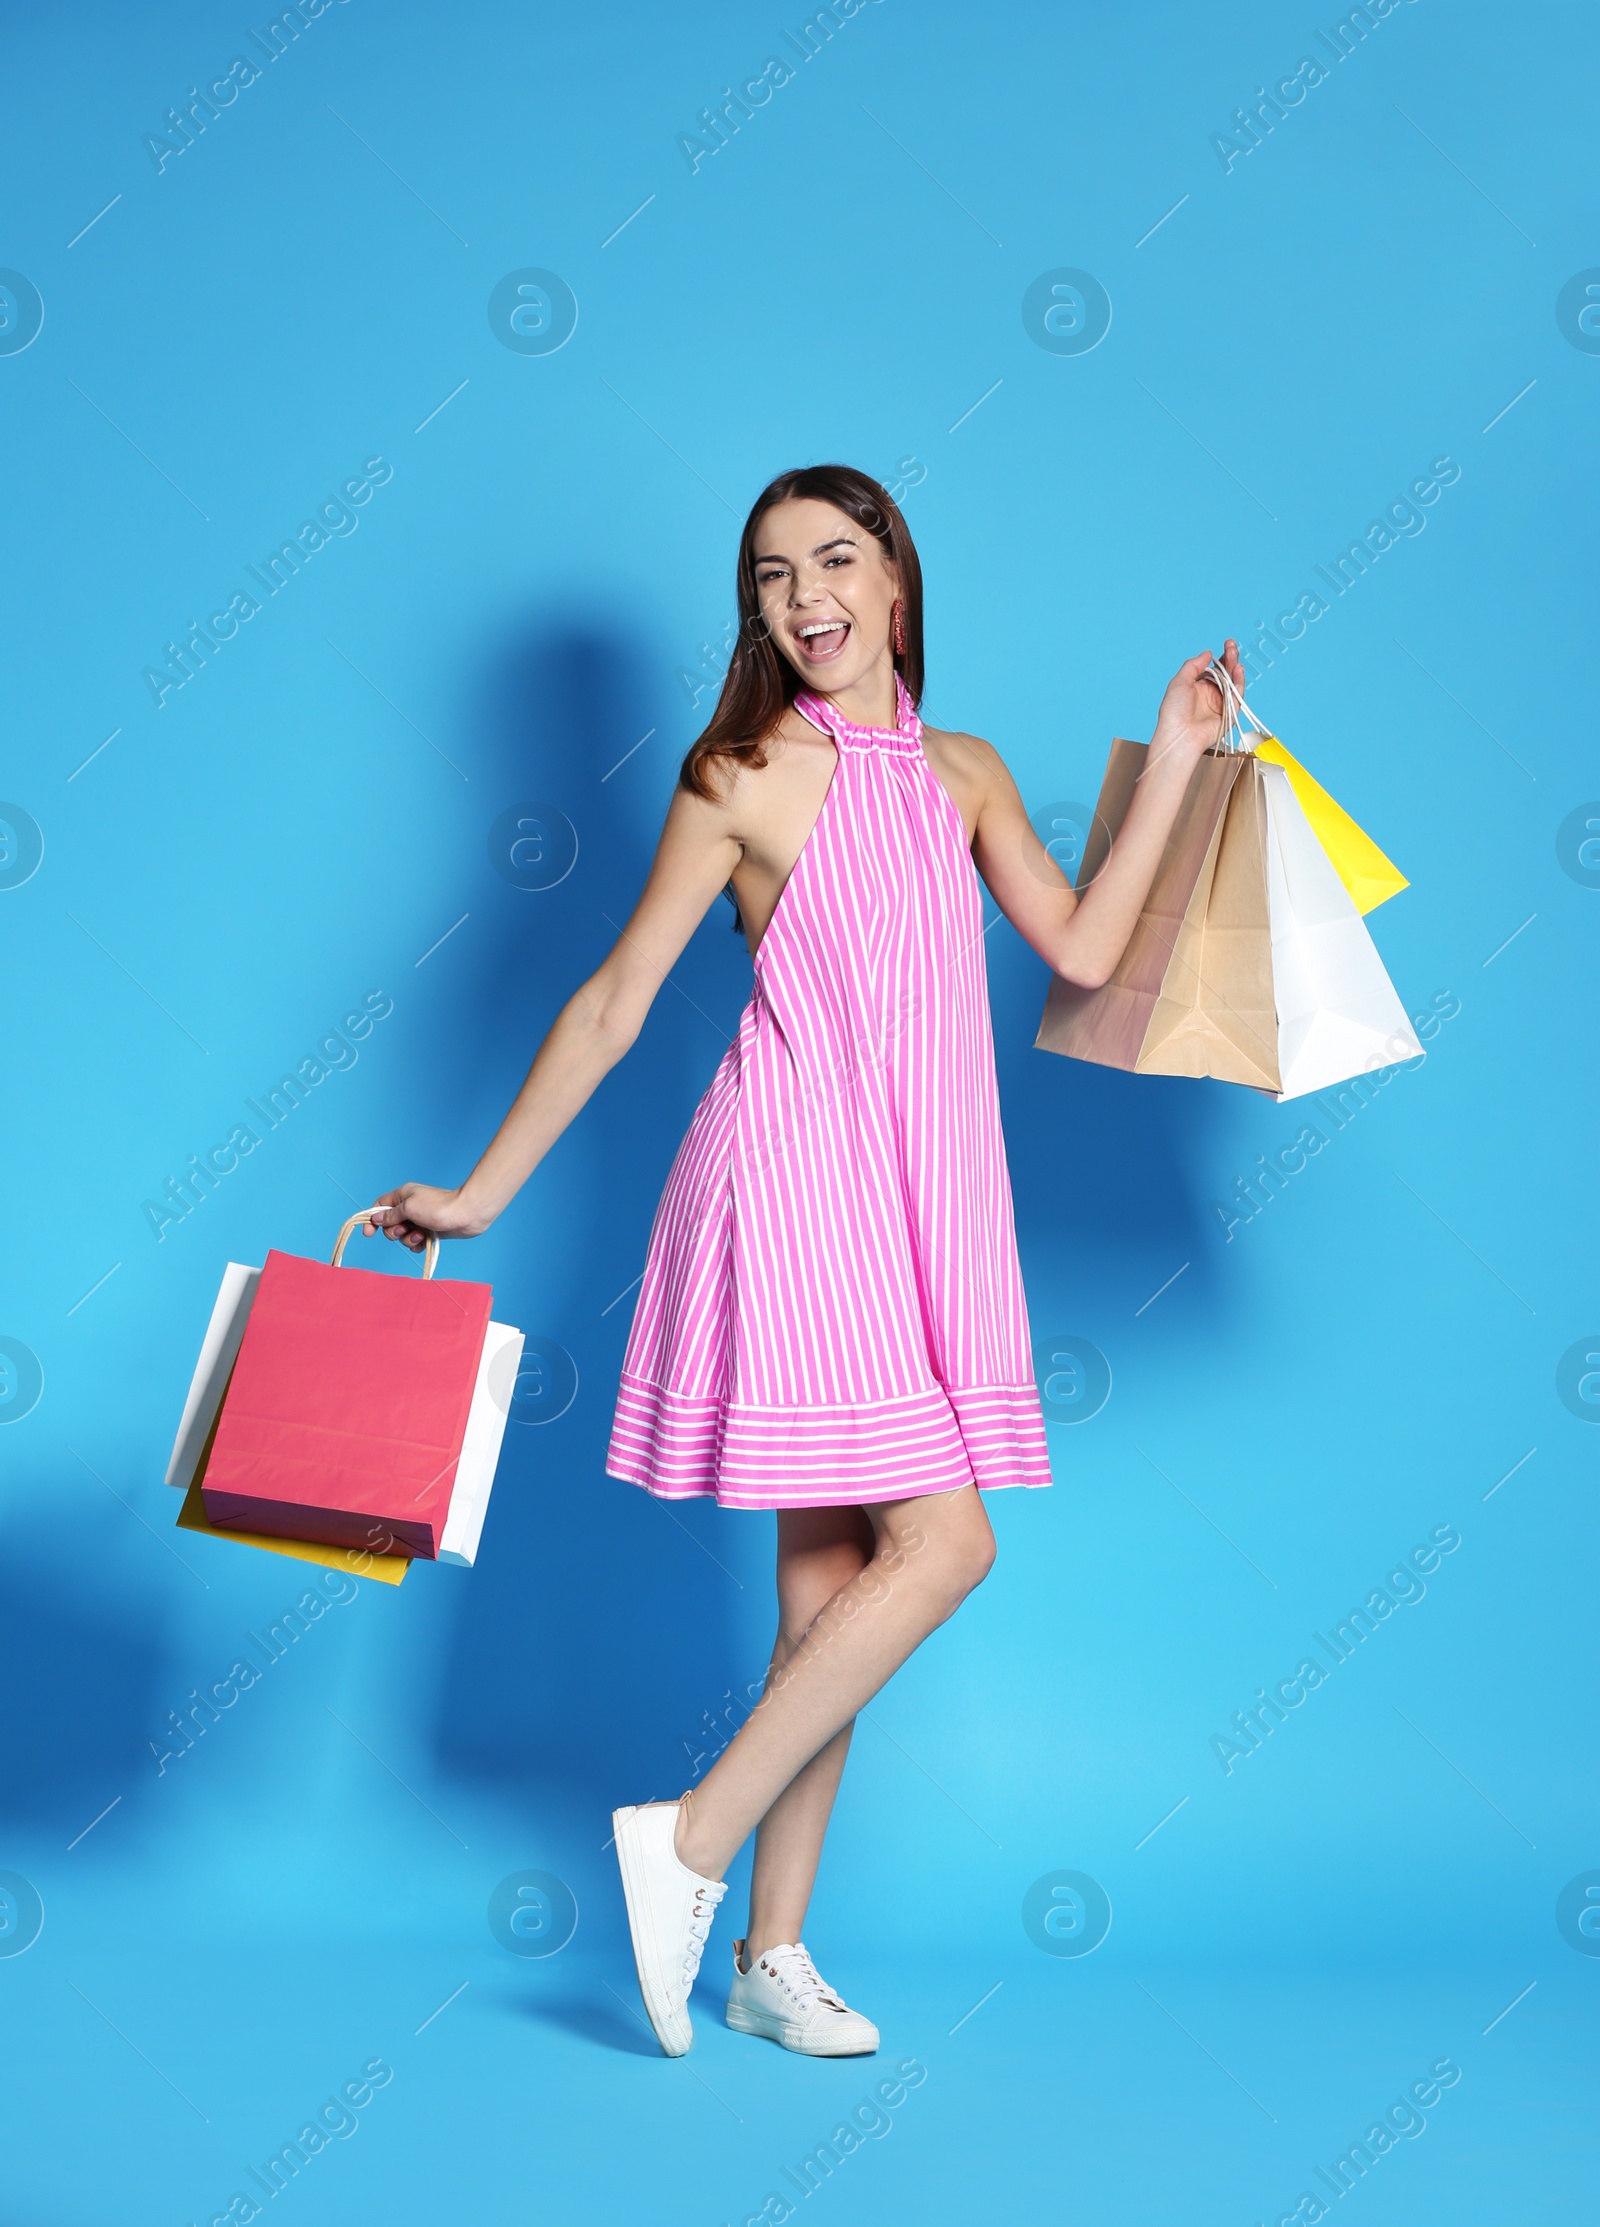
[[848, 734]]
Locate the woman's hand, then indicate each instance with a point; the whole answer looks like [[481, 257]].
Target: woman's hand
[[1191, 718], [418, 1211]]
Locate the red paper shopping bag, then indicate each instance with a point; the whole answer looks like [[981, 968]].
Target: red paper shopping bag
[[347, 1406]]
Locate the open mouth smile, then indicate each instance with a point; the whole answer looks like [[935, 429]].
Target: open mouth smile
[[821, 640]]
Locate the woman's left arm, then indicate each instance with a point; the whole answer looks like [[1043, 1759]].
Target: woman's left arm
[[1083, 938]]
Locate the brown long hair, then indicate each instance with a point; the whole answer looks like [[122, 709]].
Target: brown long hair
[[761, 684]]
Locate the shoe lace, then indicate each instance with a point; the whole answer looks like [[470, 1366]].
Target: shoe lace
[[707, 1894], [791, 1966]]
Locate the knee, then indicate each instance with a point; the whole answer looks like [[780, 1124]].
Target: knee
[[974, 1560], [981, 1560], [956, 1565]]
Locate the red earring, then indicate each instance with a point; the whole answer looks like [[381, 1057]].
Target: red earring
[[899, 631]]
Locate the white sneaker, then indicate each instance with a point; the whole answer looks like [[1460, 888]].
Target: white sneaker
[[670, 1909], [785, 1997]]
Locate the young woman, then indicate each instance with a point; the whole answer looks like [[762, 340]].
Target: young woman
[[831, 1322]]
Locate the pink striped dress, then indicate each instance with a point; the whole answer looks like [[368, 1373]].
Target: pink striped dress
[[832, 1308]]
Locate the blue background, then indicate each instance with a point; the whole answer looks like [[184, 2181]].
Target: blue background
[[305, 288]]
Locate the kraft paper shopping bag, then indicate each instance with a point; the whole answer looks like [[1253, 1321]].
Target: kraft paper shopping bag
[[1216, 1014], [1250, 962], [1110, 1025]]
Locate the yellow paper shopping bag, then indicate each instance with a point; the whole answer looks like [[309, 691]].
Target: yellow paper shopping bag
[[389, 1569], [1355, 857]]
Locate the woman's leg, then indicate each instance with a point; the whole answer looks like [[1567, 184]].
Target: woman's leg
[[819, 1551], [928, 1554]]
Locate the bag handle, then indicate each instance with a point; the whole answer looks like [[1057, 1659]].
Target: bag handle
[[430, 1258], [1234, 713]]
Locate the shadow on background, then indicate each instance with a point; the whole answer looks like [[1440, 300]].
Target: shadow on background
[[596, 1630], [1107, 1169], [594, 2016], [85, 1685]]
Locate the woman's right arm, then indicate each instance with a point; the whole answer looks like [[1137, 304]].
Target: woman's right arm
[[593, 1030]]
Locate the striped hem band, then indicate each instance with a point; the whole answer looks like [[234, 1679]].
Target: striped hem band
[[680, 1447]]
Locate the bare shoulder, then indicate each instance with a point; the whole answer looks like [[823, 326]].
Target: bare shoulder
[[971, 769], [795, 760], [949, 747]]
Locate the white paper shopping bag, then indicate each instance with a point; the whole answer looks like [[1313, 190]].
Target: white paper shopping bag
[[1338, 1013], [218, 1351], [480, 1449]]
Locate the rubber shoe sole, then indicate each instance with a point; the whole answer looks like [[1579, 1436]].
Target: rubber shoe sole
[[788, 2035]]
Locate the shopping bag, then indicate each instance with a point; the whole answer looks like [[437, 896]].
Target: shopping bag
[[1110, 1025], [492, 1395], [347, 1406], [192, 1448], [1370, 878], [388, 1569], [480, 1450], [219, 1349], [1215, 1015], [1250, 962], [1338, 1013]]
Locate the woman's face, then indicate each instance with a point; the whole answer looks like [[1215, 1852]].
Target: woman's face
[[826, 590]]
